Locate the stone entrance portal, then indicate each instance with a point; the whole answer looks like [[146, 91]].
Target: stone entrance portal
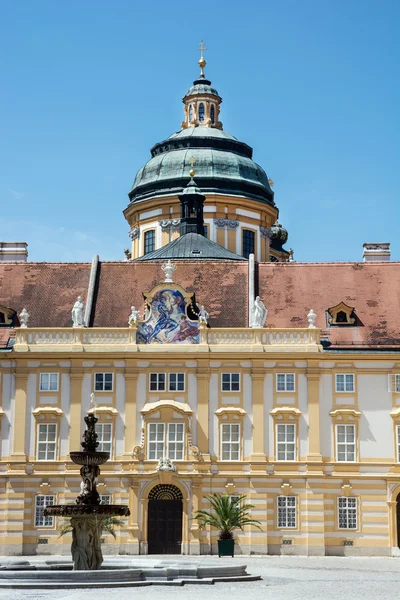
[[165, 520]]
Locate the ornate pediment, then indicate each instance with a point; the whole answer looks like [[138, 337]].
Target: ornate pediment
[[170, 316]]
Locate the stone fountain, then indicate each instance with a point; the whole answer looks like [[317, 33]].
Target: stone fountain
[[88, 514]]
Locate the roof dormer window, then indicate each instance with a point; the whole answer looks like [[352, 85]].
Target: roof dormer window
[[7, 316], [341, 314]]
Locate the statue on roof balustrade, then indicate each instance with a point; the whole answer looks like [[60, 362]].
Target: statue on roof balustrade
[[78, 313], [259, 313]]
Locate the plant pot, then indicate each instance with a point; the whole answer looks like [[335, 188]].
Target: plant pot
[[226, 548]]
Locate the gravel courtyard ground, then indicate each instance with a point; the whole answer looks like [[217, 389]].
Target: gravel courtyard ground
[[283, 577]]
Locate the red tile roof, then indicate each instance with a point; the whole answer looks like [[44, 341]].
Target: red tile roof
[[289, 290]]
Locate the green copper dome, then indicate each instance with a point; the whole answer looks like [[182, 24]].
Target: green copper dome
[[223, 164]]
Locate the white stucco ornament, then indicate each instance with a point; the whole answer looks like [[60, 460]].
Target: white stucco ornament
[[168, 269], [312, 317], [77, 313], [259, 313], [203, 315], [165, 464], [23, 317], [133, 317]]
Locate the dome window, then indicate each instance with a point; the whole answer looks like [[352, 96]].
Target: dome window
[[212, 114], [190, 113], [201, 112]]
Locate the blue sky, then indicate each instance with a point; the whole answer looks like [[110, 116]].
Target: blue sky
[[88, 87]]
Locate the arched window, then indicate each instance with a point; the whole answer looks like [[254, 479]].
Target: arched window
[[201, 112], [212, 113], [190, 113]]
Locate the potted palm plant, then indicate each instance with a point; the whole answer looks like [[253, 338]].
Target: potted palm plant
[[227, 514]]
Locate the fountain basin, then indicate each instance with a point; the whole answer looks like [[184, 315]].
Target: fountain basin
[[121, 572], [87, 458], [88, 510]]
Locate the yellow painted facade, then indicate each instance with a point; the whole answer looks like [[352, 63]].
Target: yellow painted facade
[[311, 407]]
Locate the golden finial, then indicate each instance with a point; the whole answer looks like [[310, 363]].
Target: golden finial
[[202, 63], [192, 161]]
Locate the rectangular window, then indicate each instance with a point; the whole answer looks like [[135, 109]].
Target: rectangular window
[[345, 443], [230, 441], [149, 241], [287, 512], [48, 382], [286, 442], [103, 382], [230, 382], [104, 437], [247, 243], [397, 383], [344, 382], [40, 503], [156, 441], [176, 382], [105, 498], [175, 441], [47, 440], [157, 382], [347, 513], [285, 382]]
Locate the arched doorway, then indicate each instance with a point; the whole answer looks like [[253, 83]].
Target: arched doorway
[[165, 520], [398, 519]]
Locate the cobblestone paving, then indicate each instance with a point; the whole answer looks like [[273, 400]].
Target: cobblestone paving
[[283, 577]]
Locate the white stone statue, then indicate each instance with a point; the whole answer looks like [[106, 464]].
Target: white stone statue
[[133, 317], [23, 317], [168, 269], [77, 313], [312, 317], [259, 313], [203, 315], [165, 464]]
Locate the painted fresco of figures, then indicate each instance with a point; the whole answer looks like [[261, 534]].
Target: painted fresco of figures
[[167, 321]]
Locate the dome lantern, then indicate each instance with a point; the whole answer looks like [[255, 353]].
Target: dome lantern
[[202, 101]]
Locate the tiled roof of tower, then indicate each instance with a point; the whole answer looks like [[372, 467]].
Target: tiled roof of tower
[[288, 290], [192, 246]]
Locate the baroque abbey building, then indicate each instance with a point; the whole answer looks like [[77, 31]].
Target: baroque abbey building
[[217, 364]]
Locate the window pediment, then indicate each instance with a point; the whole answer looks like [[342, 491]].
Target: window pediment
[[285, 411], [345, 414], [230, 411], [152, 407], [47, 411]]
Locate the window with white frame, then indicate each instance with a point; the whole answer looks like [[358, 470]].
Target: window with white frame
[[347, 513], [230, 441], [398, 442], [345, 443], [104, 437], [285, 382], [157, 382], [230, 382], [103, 382], [105, 498], [48, 382], [40, 504], [287, 512], [286, 441], [175, 441], [176, 382], [344, 382], [46, 441], [171, 445], [397, 383]]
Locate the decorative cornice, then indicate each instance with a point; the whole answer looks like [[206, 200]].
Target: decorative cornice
[[104, 410], [264, 231], [230, 410], [229, 223], [134, 232], [285, 411], [345, 413], [47, 411], [169, 224], [181, 407]]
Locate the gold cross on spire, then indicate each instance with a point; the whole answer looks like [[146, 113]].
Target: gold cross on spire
[[192, 161], [202, 63]]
